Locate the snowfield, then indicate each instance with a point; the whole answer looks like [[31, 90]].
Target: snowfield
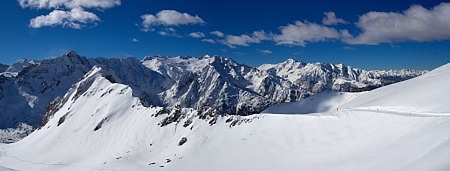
[[403, 126]]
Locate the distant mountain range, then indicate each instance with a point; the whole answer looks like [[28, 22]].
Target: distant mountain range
[[29, 89]]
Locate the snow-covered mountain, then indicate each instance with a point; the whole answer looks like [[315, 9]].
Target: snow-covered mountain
[[217, 82], [316, 77], [17, 67], [27, 93], [28, 87], [376, 130], [206, 84], [233, 88], [3, 67]]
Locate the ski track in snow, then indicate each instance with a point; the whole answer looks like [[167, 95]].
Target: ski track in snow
[[401, 112]]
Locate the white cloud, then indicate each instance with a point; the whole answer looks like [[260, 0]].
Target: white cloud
[[244, 40], [58, 4], [330, 19], [75, 18], [264, 52], [209, 40], [134, 39], [217, 33], [197, 35], [169, 32], [169, 18], [163, 33], [416, 24], [67, 13], [300, 33], [348, 48]]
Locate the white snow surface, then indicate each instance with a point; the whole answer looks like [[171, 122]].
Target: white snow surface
[[404, 126], [5, 169], [424, 94], [327, 101]]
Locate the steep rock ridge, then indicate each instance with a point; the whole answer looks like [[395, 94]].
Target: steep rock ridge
[[146, 84]]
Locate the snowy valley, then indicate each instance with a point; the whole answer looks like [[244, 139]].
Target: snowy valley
[[211, 113]]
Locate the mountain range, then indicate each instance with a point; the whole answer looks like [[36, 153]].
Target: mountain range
[[100, 123], [31, 89]]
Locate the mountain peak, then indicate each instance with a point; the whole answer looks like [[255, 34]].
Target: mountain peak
[[290, 60], [71, 54]]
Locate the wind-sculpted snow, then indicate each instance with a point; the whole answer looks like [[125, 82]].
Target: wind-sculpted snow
[[28, 88]]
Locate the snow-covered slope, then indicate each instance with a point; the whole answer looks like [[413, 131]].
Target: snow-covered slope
[[424, 94], [327, 101], [118, 133]]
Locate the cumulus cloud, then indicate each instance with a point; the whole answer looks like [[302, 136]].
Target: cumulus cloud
[[217, 33], [67, 13], [331, 19], [300, 33], [416, 24], [75, 18], [244, 40], [169, 18], [264, 52], [209, 40], [197, 35]]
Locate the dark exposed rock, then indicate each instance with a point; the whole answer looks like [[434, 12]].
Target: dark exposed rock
[[182, 141]]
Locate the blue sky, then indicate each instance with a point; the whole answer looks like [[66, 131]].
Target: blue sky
[[369, 35]]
